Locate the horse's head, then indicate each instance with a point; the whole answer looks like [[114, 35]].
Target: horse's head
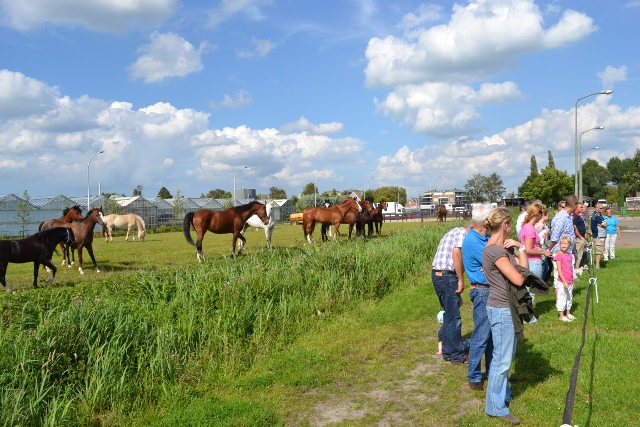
[[366, 205], [355, 205], [383, 203], [98, 216], [263, 214], [327, 203], [269, 206]]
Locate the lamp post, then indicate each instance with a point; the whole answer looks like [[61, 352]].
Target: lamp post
[[583, 151], [234, 183], [88, 186], [364, 187], [315, 189], [577, 150], [398, 187]]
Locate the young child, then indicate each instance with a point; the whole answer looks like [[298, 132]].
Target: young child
[[440, 318], [564, 283]]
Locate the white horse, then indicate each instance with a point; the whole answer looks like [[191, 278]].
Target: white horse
[[121, 222], [256, 222]]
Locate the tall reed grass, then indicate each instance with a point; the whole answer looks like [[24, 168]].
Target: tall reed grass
[[89, 355]]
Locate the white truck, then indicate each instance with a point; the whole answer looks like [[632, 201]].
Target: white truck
[[393, 208]]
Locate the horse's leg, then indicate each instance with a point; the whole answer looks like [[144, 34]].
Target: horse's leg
[[36, 267], [268, 231], [52, 269], [199, 253], [336, 225], [3, 280], [90, 251], [80, 259], [236, 236], [128, 229]]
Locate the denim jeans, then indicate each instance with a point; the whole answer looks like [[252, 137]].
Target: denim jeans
[[481, 342], [451, 332], [535, 266], [504, 350]]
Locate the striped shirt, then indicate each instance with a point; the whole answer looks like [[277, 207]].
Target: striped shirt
[[562, 225], [443, 259]]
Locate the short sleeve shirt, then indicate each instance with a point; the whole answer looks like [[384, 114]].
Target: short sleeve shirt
[[472, 248], [528, 232], [443, 259], [566, 264], [612, 224], [498, 296]]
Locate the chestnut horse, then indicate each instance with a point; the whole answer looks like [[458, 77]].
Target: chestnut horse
[[377, 217], [37, 249], [83, 230], [332, 215], [441, 214], [71, 214], [231, 220], [353, 218]]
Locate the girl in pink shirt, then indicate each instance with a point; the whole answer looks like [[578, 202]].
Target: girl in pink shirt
[[564, 282]]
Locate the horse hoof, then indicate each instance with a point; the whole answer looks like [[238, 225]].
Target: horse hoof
[[97, 270], [80, 270]]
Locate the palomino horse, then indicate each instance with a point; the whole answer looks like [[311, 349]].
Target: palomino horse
[[71, 214], [121, 222], [256, 222], [377, 217], [37, 249], [231, 220], [83, 230], [441, 214], [332, 215], [353, 218]]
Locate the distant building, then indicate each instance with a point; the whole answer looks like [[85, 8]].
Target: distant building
[[445, 197], [412, 203]]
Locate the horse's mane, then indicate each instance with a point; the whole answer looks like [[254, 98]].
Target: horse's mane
[[66, 211], [248, 206], [138, 218], [49, 232]]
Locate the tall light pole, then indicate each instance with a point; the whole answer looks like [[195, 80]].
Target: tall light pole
[[315, 189], [88, 186], [398, 187], [580, 159], [364, 187], [577, 150], [234, 183]]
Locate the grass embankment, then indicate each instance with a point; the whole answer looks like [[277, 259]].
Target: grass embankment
[[96, 349]]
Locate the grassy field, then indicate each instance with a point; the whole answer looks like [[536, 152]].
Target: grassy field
[[340, 334]]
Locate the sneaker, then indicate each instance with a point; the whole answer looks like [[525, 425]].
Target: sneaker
[[570, 317], [511, 419], [564, 319], [533, 320]]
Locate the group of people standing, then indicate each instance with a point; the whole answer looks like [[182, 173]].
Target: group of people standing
[[505, 274]]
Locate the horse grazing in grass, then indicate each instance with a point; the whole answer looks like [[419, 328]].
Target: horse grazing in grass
[[122, 222], [231, 220], [332, 215], [377, 218], [256, 222], [37, 249], [441, 214], [71, 214], [83, 231]]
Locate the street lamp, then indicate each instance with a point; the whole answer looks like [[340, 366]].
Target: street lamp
[[88, 187], [364, 187], [398, 187], [577, 150], [580, 149], [234, 183], [315, 189]]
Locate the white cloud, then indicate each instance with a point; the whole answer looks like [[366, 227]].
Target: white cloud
[[97, 15], [229, 8], [241, 99], [611, 76], [425, 13], [633, 3], [481, 39], [303, 125], [443, 109], [261, 49], [22, 96], [168, 55]]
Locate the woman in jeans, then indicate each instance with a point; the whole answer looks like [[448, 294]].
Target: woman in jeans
[[498, 263]]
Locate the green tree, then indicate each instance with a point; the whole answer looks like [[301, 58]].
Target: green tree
[[632, 178], [534, 167], [390, 194], [550, 186], [619, 168], [552, 163], [277, 193], [164, 193], [178, 207], [137, 191], [22, 216], [595, 178], [310, 188], [217, 194], [485, 188], [227, 204]]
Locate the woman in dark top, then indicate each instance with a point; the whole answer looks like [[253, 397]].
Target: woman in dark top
[[498, 263]]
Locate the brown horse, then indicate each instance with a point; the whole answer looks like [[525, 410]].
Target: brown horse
[[332, 215], [377, 217], [353, 218], [83, 230], [441, 214], [71, 214], [231, 220]]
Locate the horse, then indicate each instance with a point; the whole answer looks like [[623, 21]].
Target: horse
[[441, 214], [231, 220], [83, 230], [353, 218], [377, 217], [256, 222], [37, 249], [120, 222], [71, 214], [332, 215]]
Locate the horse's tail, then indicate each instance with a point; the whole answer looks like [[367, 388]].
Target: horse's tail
[[186, 228]]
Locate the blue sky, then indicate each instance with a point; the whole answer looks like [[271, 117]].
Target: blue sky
[[183, 94]]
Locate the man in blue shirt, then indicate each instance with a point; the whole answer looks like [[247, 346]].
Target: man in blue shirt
[[481, 343], [580, 230], [599, 232]]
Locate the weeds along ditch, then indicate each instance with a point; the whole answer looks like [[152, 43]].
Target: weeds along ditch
[[82, 355]]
